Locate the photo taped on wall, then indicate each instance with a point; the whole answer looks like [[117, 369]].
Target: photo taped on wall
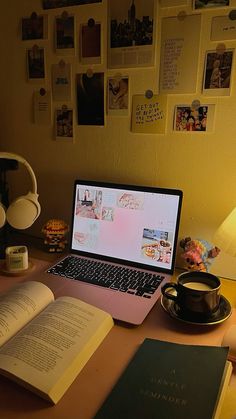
[[54, 4], [90, 98]]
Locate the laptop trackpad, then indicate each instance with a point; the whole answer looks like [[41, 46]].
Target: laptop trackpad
[[121, 306], [97, 296]]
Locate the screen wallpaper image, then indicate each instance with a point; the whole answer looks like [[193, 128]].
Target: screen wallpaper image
[[124, 224]]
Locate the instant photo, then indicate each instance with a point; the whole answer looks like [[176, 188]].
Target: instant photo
[[217, 73], [90, 43], [118, 95], [34, 27], [64, 124], [188, 118], [65, 35], [36, 63]]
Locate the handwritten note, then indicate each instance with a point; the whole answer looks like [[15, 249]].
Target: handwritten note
[[179, 65], [223, 28], [172, 51], [149, 115]]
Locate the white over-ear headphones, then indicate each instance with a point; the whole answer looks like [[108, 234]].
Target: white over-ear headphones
[[24, 210]]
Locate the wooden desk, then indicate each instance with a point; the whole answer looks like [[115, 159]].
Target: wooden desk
[[90, 388]]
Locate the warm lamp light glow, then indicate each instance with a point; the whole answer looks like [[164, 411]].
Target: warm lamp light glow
[[225, 236]]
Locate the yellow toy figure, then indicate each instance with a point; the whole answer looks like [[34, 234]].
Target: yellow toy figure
[[198, 254], [55, 231]]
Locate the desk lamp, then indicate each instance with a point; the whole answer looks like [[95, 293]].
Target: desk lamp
[[225, 236]]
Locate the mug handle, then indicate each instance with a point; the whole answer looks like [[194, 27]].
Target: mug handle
[[167, 286]]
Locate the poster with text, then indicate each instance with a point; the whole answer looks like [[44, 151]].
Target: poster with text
[[131, 33], [179, 54], [217, 73], [61, 81], [149, 115], [90, 98]]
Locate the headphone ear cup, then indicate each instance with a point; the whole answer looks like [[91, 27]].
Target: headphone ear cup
[[2, 215], [22, 212]]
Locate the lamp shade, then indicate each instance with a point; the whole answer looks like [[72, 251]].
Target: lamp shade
[[225, 235]]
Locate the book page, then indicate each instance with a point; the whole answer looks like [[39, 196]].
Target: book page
[[19, 305], [49, 352]]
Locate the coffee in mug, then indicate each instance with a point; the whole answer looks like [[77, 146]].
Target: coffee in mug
[[195, 292], [198, 286]]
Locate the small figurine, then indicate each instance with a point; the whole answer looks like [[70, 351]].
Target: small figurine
[[198, 254], [55, 231]]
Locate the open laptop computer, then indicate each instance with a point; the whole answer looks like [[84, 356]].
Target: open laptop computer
[[127, 229]]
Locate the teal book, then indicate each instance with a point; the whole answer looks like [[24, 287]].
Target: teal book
[[167, 380]]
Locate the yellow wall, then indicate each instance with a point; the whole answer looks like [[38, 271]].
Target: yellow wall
[[202, 165]]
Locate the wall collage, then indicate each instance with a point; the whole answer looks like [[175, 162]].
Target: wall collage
[[131, 42]]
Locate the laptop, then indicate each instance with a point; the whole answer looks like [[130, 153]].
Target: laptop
[[123, 243]]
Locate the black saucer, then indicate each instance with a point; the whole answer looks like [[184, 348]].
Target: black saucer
[[223, 312]]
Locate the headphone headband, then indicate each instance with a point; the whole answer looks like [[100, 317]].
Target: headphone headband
[[20, 159]]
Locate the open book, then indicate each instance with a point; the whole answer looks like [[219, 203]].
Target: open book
[[44, 344]]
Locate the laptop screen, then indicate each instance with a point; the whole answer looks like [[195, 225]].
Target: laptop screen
[[129, 224]]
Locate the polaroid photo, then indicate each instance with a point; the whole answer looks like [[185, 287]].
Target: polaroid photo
[[207, 4], [118, 95], [34, 27], [90, 43], [65, 35], [194, 119], [217, 73], [36, 64], [64, 124]]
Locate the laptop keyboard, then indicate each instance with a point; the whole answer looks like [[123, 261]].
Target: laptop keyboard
[[117, 278]]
